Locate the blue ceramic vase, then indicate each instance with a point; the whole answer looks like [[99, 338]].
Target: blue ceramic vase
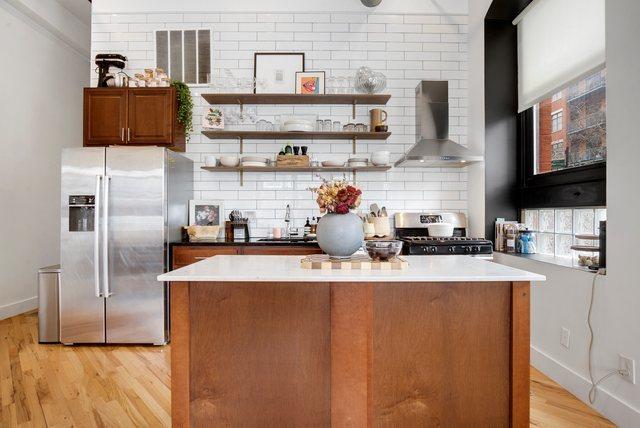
[[340, 235]]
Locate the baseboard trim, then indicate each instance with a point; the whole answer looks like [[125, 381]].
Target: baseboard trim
[[17, 308], [615, 409]]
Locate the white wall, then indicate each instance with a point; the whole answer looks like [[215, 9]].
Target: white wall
[[41, 111], [475, 133], [407, 40]]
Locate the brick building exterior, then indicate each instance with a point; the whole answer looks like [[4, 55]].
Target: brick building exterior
[[572, 125]]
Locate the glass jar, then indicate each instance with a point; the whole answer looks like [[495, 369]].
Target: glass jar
[[337, 126], [327, 125], [361, 127], [526, 242]]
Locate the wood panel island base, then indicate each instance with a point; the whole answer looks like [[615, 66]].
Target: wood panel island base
[[259, 342]]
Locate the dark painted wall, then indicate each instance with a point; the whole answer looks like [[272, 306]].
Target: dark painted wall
[[501, 122]]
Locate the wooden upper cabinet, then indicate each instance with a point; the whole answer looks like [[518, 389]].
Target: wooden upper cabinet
[[135, 116], [105, 116], [150, 116]]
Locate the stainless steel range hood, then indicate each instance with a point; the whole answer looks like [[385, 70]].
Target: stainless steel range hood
[[433, 147]]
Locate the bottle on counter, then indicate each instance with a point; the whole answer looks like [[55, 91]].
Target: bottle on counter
[[307, 227], [526, 242], [314, 226]]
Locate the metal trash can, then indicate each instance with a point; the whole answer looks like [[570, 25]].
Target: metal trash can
[[48, 304]]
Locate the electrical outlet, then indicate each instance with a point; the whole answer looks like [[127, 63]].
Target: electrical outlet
[[565, 338], [629, 366]]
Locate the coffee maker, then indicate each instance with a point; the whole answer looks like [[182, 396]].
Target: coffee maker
[[104, 63]]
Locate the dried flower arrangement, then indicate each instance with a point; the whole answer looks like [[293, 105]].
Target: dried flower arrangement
[[337, 196]]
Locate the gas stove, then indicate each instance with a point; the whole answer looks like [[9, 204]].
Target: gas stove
[[411, 228]]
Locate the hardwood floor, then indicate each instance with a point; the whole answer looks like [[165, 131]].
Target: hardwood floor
[[116, 386]]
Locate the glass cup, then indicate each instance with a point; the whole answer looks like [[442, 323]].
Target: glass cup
[[337, 126], [361, 127], [319, 125], [331, 84], [341, 85], [327, 125], [350, 127]]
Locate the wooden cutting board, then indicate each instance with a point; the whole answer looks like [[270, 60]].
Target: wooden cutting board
[[359, 262]]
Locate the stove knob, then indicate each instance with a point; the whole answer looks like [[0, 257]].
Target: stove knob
[[451, 249], [433, 249], [467, 249], [476, 249]]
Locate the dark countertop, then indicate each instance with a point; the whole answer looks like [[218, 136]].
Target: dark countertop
[[252, 241]]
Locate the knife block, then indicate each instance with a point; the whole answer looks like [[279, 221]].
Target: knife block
[[232, 230]]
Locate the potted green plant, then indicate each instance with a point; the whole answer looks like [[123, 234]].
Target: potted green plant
[[185, 106]]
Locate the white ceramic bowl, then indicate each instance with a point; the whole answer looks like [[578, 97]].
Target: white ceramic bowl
[[210, 160], [440, 230], [382, 157], [229, 161]]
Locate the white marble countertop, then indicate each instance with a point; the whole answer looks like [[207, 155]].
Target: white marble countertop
[[237, 268]]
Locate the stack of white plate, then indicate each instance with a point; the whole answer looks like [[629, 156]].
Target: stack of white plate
[[254, 161], [297, 125], [332, 164], [358, 162]]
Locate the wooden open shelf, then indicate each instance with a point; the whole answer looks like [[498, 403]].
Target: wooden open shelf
[[295, 168], [286, 135], [243, 169], [351, 99]]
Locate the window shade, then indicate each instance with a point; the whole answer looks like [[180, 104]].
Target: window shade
[[559, 42]]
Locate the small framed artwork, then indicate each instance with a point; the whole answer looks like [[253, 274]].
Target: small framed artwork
[[310, 82], [275, 72], [206, 213], [213, 119]]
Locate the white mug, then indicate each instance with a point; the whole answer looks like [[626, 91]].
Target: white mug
[[210, 160]]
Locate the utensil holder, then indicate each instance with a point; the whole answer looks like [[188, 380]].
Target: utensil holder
[[369, 230], [382, 226]]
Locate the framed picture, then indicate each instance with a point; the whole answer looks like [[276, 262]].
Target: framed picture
[[275, 72], [213, 119], [206, 213], [310, 82]]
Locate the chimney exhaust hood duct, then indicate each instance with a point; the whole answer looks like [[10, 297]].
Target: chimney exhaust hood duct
[[433, 147]]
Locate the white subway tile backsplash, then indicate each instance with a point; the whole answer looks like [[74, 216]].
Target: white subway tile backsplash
[[406, 48], [275, 17]]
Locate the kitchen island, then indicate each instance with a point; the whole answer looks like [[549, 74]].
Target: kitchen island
[[259, 341]]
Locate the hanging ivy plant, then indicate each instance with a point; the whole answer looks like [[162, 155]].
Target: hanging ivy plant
[[185, 106]]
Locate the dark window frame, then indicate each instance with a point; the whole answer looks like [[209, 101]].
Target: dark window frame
[[581, 186]]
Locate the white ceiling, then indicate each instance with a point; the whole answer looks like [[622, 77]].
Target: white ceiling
[[81, 9]]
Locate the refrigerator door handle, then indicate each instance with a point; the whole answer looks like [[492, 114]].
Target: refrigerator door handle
[[105, 237], [96, 237]]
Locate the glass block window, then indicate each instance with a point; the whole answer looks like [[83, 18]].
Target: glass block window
[[557, 229]]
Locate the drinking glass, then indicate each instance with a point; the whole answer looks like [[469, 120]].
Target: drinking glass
[[331, 84], [337, 126], [326, 125], [341, 85], [319, 125]]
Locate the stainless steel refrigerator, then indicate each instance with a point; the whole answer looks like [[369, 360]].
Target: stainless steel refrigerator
[[121, 206]]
